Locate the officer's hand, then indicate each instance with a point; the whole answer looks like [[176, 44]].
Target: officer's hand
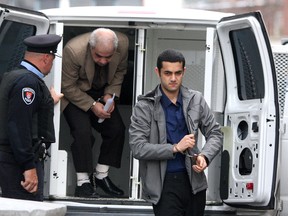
[[56, 96], [31, 181]]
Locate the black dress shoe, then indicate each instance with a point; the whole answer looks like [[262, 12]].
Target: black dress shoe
[[86, 190], [108, 187]]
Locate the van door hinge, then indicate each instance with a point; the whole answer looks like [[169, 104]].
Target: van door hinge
[[141, 47]]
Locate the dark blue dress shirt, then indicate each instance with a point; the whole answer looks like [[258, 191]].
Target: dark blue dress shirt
[[176, 129]]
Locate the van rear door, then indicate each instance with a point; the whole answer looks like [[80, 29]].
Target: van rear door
[[15, 25], [251, 116]]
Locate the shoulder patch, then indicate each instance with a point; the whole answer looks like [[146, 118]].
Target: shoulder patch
[[28, 95]]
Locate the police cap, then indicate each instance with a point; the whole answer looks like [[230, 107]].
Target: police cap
[[42, 43]]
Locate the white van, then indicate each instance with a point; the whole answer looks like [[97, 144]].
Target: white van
[[229, 59]]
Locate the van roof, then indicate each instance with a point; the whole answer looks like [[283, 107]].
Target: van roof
[[135, 14]]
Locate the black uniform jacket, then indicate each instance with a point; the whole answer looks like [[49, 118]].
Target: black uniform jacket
[[26, 115]]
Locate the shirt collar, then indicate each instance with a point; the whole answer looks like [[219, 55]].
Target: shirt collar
[[165, 101], [29, 66]]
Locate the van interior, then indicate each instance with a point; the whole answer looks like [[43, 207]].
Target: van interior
[[192, 43]]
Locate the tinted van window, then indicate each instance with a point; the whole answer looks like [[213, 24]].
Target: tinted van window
[[11, 43], [250, 80]]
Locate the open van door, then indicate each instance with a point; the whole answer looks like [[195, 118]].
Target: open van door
[[16, 24], [251, 116]]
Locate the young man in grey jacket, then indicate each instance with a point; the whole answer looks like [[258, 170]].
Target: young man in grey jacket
[[165, 124]]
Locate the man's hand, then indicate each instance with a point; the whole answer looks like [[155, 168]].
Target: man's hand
[[200, 164], [186, 142], [30, 183], [56, 96], [98, 108]]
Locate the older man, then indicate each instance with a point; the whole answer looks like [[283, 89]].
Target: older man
[[94, 65]]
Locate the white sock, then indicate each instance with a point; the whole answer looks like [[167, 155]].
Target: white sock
[[101, 171], [82, 178]]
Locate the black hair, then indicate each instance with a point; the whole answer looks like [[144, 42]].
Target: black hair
[[170, 55]]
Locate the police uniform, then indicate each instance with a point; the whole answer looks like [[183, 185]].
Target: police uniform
[[26, 121]]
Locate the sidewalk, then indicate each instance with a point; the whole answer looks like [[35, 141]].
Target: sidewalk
[[17, 207]]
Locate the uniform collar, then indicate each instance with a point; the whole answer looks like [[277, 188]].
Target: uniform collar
[[29, 66]]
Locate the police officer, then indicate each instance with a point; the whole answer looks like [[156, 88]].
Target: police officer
[[26, 120]]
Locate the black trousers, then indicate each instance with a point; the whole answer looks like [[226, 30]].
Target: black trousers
[[177, 198], [112, 131], [11, 176]]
